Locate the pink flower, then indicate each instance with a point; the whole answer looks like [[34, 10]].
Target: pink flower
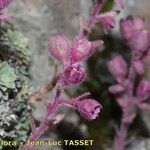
[[117, 88], [74, 74], [130, 25], [59, 47], [139, 68], [120, 3], [67, 53], [108, 20], [82, 49], [134, 32], [4, 4], [140, 41], [118, 67], [144, 88], [88, 108]]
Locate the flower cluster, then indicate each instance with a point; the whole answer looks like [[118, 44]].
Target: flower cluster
[[72, 73], [127, 94], [138, 38], [107, 19], [3, 5], [88, 108], [71, 55]]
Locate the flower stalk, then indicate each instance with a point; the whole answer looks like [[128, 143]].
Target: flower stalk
[[70, 55], [130, 94]]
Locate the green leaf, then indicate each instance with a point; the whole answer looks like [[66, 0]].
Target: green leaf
[[7, 75], [18, 39], [3, 88]]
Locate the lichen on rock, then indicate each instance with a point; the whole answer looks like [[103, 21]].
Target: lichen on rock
[[15, 85]]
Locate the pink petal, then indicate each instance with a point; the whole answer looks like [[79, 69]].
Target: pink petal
[[108, 20], [139, 68], [82, 48], [74, 74], [117, 88], [118, 67], [5, 17], [131, 24], [144, 88], [89, 108], [4, 4], [59, 47]]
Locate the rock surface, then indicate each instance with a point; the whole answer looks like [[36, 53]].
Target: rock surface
[[38, 20], [140, 145]]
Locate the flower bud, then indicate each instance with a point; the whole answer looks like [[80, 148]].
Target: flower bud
[[138, 38], [144, 88], [108, 20], [82, 48], [89, 108], [118, 67], [117, 88], [59, 47], [139, 68], [74, 74], [130, 25], [4, 4], [140, 41]]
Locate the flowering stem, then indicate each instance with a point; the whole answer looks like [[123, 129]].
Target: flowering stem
[[58, 93], [72, 73], [45, 124], [120, 139], [98, 7], [37, 132], [132, 73], [92, 20]]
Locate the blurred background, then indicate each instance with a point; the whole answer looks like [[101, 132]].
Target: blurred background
[[40, 19]]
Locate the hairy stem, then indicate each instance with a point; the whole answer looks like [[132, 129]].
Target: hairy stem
[[120, 139]]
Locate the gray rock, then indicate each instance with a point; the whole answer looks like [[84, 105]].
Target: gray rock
[[39, 19], [142, 144]]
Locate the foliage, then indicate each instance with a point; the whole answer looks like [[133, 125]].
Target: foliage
[[15, 85], [7, 75]]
